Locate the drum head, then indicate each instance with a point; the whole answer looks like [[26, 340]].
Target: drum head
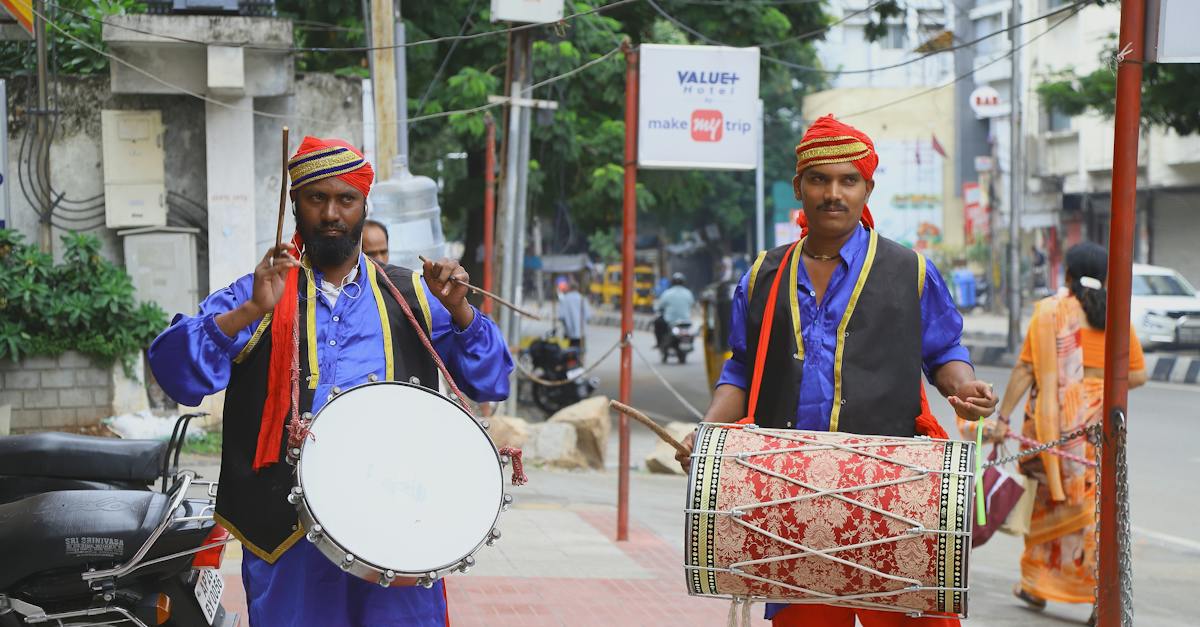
[[401, 477]]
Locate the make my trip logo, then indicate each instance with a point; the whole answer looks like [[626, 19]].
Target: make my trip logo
[[707, 125]]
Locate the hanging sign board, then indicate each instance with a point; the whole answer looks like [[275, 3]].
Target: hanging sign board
[[698, 108], [1171, 31], [985, 102], [529, 11]]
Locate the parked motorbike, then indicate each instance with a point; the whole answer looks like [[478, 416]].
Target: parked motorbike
[[553, 359], [86, 541], [679, 341]]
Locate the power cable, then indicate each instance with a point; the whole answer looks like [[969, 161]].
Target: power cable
[[967, 74], [423, 42], [809, 68], [824, 29], [283, 116], [446, 59]]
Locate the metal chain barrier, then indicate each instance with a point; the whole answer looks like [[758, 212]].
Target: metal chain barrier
[[667, 384], [525, 372], [1078, 433], [1124, 525], [1097, 440]]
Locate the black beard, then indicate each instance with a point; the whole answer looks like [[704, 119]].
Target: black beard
[[330, 251]]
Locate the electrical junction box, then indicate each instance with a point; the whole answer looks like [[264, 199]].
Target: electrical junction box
[[134, 168], [161, 261]]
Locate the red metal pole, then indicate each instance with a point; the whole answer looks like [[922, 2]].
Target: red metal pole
[[489, 210], [628, 235], [1109, 605]]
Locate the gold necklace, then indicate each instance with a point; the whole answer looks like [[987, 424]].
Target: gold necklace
[[804, 250]]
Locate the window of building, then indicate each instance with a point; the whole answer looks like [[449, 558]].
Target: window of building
[[1057, 121], [897, 37]]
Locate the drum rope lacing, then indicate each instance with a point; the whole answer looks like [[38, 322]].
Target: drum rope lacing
[[852, 600]]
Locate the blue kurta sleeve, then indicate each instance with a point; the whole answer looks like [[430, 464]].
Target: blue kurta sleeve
[[736, 370], [192, 358], [942, 325], [477, 356]]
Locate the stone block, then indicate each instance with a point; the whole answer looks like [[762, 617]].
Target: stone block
[[592, 426], [90, 415], [103, 397], [40, 362], [60, 378], [41, 399], [73, 359], [26, 420], [92, 377], [508, 431], [13, 398], [22, 380], [555, 444], [662, 459], [58, 417], [76, 397]]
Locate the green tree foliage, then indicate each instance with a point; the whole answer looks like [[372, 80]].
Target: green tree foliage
[[1170, 92], [577, 151], [82, 19], [84, 304]]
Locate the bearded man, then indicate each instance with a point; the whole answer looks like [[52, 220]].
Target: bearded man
[[872, 316], [352, 329]]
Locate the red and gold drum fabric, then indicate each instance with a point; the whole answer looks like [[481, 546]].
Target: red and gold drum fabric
[[832, 518]]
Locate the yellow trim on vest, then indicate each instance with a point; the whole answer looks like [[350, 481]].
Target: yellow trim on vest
[[389, 367], [266, 556], [920, 275], [754, 274], [794, 292], [258, 333], [310, 299], [419, 288], [835, 413]]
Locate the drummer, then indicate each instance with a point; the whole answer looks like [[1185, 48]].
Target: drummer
[[351, 330], [872, 316]]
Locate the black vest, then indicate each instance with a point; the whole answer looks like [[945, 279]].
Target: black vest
[[877, 368], [253, 505]]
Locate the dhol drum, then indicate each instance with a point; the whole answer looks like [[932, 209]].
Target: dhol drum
[[398, 484], [791, 516]]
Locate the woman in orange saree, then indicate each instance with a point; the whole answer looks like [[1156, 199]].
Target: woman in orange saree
[[1062, 367]]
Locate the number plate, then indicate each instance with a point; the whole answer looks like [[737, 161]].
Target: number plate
[[209, 588], [574, 372]]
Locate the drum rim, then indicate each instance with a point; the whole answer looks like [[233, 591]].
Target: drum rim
[[306, 513]]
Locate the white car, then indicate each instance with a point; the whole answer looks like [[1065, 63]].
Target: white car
[[1165, 309]]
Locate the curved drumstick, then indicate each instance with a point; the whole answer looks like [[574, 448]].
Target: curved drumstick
[[653, 426], [490, 295]]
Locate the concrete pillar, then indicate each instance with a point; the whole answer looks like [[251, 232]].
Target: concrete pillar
[[229, 142]]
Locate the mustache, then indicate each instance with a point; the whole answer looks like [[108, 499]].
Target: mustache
[[829, 206], [333, 226]]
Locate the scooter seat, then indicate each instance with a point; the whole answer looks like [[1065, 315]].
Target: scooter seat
[[72, 456], [70, 529]]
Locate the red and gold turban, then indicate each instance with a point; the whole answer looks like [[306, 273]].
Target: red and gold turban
[[830, 141], [316, 159]]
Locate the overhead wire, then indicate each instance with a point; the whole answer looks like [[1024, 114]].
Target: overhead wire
[[410, 44], [965, 75], [467, 21]]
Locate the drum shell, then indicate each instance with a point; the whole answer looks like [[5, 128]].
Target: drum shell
[[360, 566], [727, 473]]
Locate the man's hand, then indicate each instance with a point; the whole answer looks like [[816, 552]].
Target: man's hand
[[973, 400], [270, 275], [447, 279], [685, 461]]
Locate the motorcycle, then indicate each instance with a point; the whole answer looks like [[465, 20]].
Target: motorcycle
[[86, 541], [553, 359], [680, 340]]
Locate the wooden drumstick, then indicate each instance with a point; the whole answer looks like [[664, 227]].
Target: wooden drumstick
[[653, 426], [489, 295], [283, 189]]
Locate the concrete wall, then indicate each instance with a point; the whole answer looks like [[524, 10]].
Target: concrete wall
[[321, 105], [1174, 229], [918, 118], [55, 392]]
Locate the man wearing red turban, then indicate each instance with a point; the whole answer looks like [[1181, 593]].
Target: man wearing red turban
[[832, 332], [356, 328]]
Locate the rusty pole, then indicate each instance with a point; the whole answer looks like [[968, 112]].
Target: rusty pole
[[628, 235], [489, 210], [1110, 611]]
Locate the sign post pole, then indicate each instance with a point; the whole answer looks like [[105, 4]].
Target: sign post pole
[[628, 237]]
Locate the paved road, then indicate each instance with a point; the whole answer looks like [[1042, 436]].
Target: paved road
[[1163, 457]]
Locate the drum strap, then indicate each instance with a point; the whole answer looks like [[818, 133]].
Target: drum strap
[[764, 334]]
